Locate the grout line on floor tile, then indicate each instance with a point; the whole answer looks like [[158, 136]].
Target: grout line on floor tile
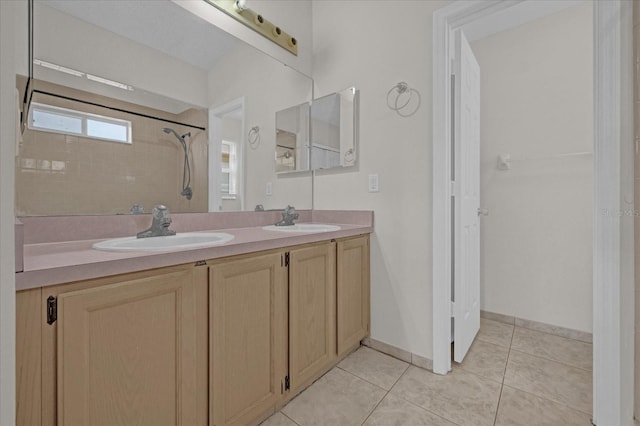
[[506, 364], [365, 380], [289, 417], [495, 417], [374, 408], [400, 376], [564, 404], [414, 404], [553, 360]]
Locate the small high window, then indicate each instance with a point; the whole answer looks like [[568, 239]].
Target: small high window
[[54, 119]]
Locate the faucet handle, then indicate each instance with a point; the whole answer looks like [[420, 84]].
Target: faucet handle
[[136, 209]]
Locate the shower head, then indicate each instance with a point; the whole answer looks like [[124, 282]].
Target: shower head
[[187, 192], [168, 130]]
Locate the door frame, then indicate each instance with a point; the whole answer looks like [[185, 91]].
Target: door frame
[[216, 113], [613, 256]]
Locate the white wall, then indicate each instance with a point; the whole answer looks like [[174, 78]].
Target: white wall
[[536, 105], [372, 46], [12, 15], [65, 40], [268, 87]]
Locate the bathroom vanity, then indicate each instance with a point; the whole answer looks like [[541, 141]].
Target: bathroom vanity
[[225, 338]]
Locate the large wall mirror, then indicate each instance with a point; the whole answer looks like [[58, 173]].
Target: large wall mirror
[[319, 135], [145, 103]]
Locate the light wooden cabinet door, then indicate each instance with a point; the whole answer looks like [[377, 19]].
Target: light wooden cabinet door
[[352, 292], [248, 302], [126, 353], [312, 312]]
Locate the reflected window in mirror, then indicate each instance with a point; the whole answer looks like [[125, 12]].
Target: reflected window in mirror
[[229, 161], [48, 118]]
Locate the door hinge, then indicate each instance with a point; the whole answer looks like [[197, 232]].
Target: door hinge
[[453, 308], [52, 310], [287, 383], [286, 259]]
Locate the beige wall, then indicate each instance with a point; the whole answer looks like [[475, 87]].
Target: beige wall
[[268, 87], [537, 106], [373, 47], [59, 174], [636, 84]]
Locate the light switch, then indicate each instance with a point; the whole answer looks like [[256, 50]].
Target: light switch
[[269, 188], [374, 183]]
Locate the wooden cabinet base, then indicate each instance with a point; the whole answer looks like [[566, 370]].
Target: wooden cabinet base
[[225, 342]]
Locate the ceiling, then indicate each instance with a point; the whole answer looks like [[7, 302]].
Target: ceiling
[[514, 16], [159, 24]]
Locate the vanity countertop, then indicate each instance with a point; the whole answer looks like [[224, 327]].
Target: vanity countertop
[[48, 260]]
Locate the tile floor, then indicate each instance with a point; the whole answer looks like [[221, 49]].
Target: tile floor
[[511, 376]]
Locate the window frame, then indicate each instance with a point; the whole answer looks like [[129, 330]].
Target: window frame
[[232, 170], [84, 118]]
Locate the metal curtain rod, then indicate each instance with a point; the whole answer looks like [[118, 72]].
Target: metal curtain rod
[[139, 114]]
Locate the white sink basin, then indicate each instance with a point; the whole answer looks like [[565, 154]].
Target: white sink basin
[[303, 227], [185, 240]]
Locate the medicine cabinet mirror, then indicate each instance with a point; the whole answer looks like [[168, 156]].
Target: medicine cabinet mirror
[[292, 139], [319, 136]]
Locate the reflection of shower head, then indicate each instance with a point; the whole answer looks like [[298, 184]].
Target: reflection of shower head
[[187, 192], [168, 130]]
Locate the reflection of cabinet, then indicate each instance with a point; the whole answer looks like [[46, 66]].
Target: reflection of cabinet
[[352, 292], [312, 312], [247, 336], [199, 345]]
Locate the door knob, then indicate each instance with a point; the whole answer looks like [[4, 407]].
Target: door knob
[[483, 212]]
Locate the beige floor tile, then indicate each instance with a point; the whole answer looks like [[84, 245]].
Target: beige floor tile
[[495, 332], [567, 333], [556, 348], [278, 419], [374, 367], [337, 398], [394, 411], [550, 379], [486, 360], [461, 397], [521, 408]]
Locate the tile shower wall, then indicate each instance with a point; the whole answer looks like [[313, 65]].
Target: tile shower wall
[[59, 174], [636, 84]]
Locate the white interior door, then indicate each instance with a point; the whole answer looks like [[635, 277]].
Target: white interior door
[[466, 238]]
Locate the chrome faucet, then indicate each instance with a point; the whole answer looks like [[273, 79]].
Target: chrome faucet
[[288, 217], [160, 223]]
